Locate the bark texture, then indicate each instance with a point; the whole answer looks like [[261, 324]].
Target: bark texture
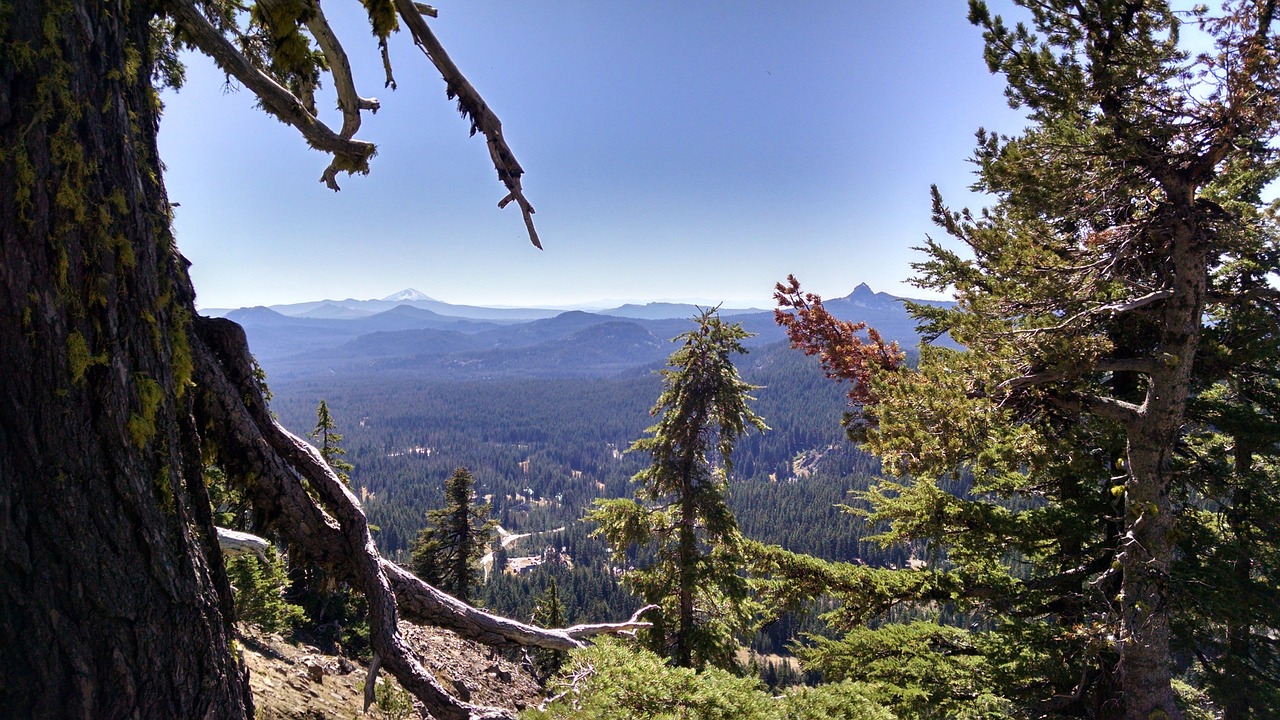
[[1147, 549], [113, 602]]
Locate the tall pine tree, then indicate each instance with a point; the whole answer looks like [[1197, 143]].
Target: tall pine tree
[[680, 513], [326, 431], [448, 550], [1049, 461]]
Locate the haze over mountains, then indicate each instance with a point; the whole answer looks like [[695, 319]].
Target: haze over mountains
[[409, 332], [351, 308]]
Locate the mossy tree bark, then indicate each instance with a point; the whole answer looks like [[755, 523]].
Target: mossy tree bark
[[113, 600]]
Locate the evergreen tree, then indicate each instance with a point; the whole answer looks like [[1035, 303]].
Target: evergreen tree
[[259, 586], [681, 513], [448, 550], [335, 610], [549, 612], [1049, 460], [326, 431]]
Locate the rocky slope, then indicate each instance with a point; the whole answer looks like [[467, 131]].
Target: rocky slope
[[294, 681]]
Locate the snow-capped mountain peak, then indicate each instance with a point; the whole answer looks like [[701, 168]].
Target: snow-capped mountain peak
[[408, 295]]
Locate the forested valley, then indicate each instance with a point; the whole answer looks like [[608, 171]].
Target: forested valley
[[542, 449], [1053, 495]]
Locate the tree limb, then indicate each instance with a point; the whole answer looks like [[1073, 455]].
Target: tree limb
[[234, 542], [1143, 365], [1120, 306], [349, 155], [349, 102], [472, 107], [1133, 303], [333, 531], [1113, 409], [1032, 379]]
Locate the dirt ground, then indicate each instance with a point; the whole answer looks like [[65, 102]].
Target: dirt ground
[[292, 681]]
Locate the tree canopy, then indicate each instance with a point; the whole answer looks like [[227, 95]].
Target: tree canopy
[[1096, 309]]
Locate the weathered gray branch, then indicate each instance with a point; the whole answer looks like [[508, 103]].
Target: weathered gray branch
[[252, 445], [424, 603], [234, 542], [1111, 408], [349, 102], [386, 63], [1139, 365], [1031, 379], [1133, 303], [349, 155], [473, 107], [1114, 308]]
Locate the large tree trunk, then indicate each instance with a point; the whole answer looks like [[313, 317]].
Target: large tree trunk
[[113, 601], [1145, 558], [1147, 549], [688, 577]]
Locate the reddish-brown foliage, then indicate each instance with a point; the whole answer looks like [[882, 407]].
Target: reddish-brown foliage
[[844, 354]]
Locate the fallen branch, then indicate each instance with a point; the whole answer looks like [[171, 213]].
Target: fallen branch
[[290, 485], [234, 543], [472, 107]]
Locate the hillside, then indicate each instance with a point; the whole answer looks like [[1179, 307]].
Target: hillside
[[294, 681], [428, 339]]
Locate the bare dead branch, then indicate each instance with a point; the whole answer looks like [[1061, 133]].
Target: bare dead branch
[[349, 155], [371, 681], [473, 107], [1114, 308], [349, 102], [1133, 303], [423, 603], [1113, 409], [1040, 378], [583, 631], [234, 542], [1138, 365], [386, 63]]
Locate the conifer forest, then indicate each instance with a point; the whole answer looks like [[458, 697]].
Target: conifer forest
[[1054, 494]]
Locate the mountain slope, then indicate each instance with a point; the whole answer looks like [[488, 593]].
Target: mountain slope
[[333, 339]]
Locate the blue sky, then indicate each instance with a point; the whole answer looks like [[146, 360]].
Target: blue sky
[[673, 150]]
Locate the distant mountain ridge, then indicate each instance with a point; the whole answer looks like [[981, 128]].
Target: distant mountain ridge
[[409, 332], [352, 308]]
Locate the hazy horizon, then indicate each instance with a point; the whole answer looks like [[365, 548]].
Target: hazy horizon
[[599, 304], [672, 150]]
